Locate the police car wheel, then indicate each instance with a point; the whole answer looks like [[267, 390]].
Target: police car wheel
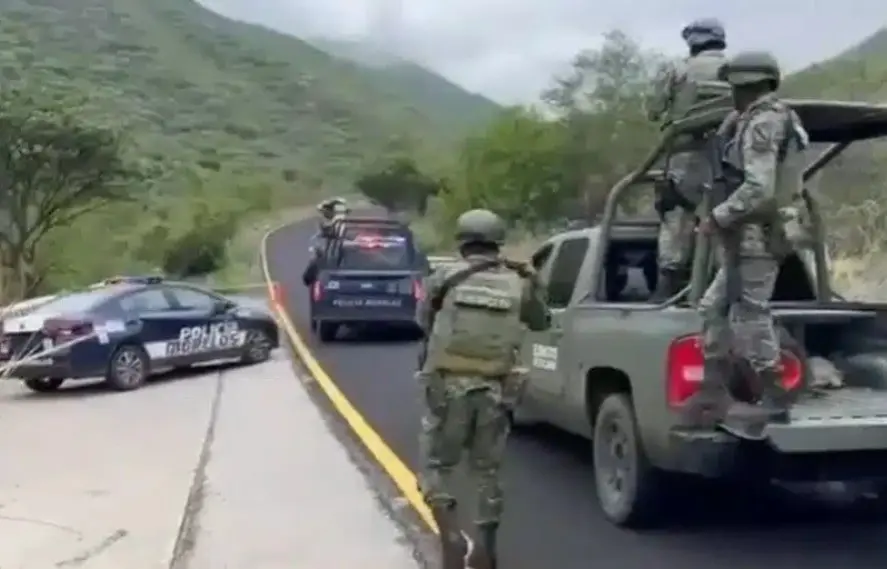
[[44, 384], [327, 331], [257, 347], [128, 368]]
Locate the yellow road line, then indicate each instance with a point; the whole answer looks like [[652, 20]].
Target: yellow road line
[[375, 444]]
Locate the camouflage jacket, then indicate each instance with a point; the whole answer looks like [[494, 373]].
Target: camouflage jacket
[[771, 171]]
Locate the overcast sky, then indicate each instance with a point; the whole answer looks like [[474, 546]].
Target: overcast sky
[[508, 49]]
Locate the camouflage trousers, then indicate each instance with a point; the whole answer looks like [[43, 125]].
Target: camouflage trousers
[[690, 172], [463, 416], [748, 329], [676, 237]]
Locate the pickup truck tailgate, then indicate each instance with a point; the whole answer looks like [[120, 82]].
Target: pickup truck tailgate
[[847, 419]]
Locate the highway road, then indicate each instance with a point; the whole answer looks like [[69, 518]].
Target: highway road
[[551, 518]]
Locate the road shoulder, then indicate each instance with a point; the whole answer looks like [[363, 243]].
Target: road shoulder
[[280, 489]]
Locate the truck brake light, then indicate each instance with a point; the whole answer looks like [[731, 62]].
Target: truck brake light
[[418, 290], [685, 364], [316, 291]]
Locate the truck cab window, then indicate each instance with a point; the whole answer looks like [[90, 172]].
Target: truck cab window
[[565, 270], [630, 272]]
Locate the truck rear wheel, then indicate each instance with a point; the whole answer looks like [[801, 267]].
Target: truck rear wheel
[[630, 490]]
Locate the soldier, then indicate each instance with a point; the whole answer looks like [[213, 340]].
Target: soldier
[[679, 193], [763, 163], [331, 211], [474, 317]]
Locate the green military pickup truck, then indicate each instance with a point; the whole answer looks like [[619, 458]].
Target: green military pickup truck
[[615, 367]]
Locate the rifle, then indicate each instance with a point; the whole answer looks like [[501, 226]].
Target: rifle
[[722, 185]]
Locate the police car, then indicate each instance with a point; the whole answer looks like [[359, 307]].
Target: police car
[[370, 274], [126, 329]]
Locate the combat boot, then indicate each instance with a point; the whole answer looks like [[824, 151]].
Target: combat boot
[[453, 546], [706, 408], [748, 420], [482, 550]]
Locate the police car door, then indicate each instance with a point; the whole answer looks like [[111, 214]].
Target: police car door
[[209, 331], [156, 321]]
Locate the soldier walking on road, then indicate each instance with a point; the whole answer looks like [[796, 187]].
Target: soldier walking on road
[[762, 166], [678, 195], [474, 317]]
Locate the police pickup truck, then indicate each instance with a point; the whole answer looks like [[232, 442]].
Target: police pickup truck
[[127, 328], [617, 367], [369, 274]]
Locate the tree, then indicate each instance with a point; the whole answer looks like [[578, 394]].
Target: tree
[[602, 105], [53, 170], [515, 167], [399, 185]]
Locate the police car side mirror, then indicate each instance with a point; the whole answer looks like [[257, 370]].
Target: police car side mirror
[[222, 306]]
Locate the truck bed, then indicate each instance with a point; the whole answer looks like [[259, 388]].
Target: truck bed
[[846, 419]]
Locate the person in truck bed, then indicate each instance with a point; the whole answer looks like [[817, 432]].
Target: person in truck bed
[[768, 138]]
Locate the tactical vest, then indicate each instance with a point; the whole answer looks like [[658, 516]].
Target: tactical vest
[[784, 222], [478, 329], [696, 82]]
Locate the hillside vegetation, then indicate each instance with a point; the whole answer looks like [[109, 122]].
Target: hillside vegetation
[[434, 94], [223, 120], [539, 168]]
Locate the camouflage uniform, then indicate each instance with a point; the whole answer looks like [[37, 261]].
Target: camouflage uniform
[[766, 151], [692, 81], [468, 411]]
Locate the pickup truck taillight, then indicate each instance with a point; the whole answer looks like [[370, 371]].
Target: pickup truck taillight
[[65, 329], [685, 363], [316, 291]]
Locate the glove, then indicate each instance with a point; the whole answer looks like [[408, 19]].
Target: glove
[[513, 387], [522, 268]]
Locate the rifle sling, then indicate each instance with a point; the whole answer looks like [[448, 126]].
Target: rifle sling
[[458, 278]]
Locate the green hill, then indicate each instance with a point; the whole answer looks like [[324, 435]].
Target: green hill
[[852, 186], [434, 95], [859, 73], [192, 86]]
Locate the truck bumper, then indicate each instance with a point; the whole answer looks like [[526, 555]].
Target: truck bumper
[[716, 454]]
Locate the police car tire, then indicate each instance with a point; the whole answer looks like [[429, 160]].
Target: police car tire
[[118, 384], [251, 356], [327, 331], [44, 384]]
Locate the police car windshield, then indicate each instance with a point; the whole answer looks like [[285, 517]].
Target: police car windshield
[[375, 252], [77, 302]]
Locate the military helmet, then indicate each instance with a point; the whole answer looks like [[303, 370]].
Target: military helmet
[[704, 31], [750, 67], [480, 226]]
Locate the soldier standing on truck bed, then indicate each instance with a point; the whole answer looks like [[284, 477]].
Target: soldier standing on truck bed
[[473, 315], [678, 195], [762, 171]]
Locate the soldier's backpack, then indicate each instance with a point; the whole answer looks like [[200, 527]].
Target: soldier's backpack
[[698, 84], [477, 328]]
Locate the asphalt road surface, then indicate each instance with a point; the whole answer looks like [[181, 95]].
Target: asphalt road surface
[[551, 518]]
